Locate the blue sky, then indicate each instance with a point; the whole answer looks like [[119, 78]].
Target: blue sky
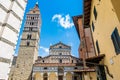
[[57, 24]]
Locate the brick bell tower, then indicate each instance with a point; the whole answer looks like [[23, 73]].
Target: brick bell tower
[[28, 51]]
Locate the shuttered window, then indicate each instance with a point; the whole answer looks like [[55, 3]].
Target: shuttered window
[[97, 46], [93, 26], [116, 40], [95, 13]]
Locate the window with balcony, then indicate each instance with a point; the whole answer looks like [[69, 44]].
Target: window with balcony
[[116, 40]]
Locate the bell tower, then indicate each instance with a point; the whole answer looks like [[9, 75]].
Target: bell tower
[[28, 51]]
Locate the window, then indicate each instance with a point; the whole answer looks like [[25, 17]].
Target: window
[[116, 40], [33, 11], [43, 61], [98, 49], [31, 28], [60, 53], [99, 0], [60, 61], [93, 26], [60, 46], [77, 61], [75, 68], [95, 13], [32, 23], [45, 68], [72, 61], [28, 43]]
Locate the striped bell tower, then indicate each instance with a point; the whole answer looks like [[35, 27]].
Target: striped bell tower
[[28, 51]]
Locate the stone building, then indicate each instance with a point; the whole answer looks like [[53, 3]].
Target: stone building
[[10, 22], [58, 65], [28, 51], [86, 47], [103, 19]]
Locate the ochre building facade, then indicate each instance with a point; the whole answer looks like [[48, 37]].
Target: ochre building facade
[[103, 19]]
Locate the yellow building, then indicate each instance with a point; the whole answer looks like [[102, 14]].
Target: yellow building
[[103, 18], [105, 25]]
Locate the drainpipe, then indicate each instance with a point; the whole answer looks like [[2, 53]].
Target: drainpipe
[[107, 69]]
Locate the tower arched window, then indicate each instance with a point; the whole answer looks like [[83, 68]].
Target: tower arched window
[[29, 36], [28, 43]]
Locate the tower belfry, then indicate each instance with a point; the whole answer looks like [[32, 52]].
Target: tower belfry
[[28, 51]]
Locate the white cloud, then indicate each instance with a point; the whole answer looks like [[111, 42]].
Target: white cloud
[[46, 50], [64, 21]]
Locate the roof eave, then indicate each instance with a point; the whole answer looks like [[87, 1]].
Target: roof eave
[[87, 11], [75, 21]]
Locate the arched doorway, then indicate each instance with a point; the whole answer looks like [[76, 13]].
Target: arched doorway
[[60, 73], [52, 76], [69, 76], [37, 76], [45, 76]]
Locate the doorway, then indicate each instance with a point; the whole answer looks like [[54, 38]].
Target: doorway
[[60, 77]]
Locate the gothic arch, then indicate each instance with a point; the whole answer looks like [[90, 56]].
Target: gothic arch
[[68, 76], [37, 76], [52, 76]]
